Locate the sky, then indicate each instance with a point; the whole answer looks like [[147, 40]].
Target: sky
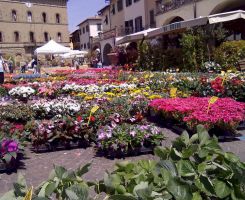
[[79, 10]]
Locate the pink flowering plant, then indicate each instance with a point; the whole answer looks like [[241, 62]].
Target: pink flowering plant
[[225, 113], [125, 138]]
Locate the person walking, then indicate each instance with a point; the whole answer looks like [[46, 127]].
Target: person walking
[[1, 69]]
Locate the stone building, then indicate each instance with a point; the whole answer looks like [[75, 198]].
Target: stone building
[[26, 26]]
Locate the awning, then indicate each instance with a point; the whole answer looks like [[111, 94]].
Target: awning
[[228, 16], [134, 36], [52, 48], [211, 19], [74, 53], [178, 26]]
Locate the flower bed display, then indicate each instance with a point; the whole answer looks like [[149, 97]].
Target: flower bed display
[[125, 139], [225, 113], [70, 108]]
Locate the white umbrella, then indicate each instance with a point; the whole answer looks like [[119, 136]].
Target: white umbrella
[[52, 48]]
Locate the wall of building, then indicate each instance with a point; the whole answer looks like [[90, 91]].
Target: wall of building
[[117, 19], [149, 5], [137, 9], [85, 38], [37, 26], [106, 13], [203, 8]]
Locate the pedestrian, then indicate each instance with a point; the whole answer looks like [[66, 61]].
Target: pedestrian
[[11, 66], [1, 69]]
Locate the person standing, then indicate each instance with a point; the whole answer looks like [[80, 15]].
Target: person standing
[[1, 69]]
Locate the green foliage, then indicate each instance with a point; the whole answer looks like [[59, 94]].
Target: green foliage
[[198, 45], [229, 53], [63, 184], [16, 113], [151, 57], [192, 168]]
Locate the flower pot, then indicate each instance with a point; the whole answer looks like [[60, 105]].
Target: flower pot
[[113, 57]]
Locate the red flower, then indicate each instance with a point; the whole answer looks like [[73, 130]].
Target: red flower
[[92, 119], [79, 118]]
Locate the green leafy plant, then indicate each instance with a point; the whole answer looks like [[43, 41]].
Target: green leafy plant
[[63, 184], [229, 53], [192, 168]]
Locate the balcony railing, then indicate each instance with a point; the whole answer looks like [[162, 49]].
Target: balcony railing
[[164, 6]]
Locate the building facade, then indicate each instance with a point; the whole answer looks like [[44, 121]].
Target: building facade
[[89, 28], [26, 26], [176, 10], [123, 17], [75, 39]]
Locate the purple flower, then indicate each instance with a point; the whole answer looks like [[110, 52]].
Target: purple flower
[[9, 146], [132, 133]]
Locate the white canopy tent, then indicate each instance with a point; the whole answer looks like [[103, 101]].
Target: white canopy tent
[[134, 36], [52, 48], [74, 53]]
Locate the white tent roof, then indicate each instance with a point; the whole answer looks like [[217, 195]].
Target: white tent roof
[[74, 53], [134, 36], [52, 48]]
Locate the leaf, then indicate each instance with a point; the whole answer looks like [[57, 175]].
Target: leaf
[[185, 168], [189, 151], [42, 190], [185, 137], [7, 157], [122, 197], [50, 188], [29, 194], [222, 190], [59, 171], [205, 185], [111, 180], [231, 157], [169, 166], [83, 170], [196, 196], [179, 189], [78, 192], [161, 153], [202, 135], [142, 190]]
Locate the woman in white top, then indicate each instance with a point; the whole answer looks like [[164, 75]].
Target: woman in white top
[[1, 69]]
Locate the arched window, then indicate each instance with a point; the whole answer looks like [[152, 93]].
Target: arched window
[[45, 36], [29, 16], [44, 17], [58, 18], [16, 36], [59, 37], [1, 37], [14, 16], [32, 38]]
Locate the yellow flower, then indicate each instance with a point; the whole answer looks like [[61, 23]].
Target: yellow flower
[[155, 96], [89, 98], [81, 94], [110, 94]]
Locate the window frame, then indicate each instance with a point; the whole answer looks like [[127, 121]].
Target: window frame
[[119, 5]]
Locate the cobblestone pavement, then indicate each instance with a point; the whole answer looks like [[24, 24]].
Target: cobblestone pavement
[[37, 167]]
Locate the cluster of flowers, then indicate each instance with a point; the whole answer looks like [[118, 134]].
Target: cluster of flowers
[[224, 113], [56, 107], [127, 137], [21, 92], [92, 88]]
